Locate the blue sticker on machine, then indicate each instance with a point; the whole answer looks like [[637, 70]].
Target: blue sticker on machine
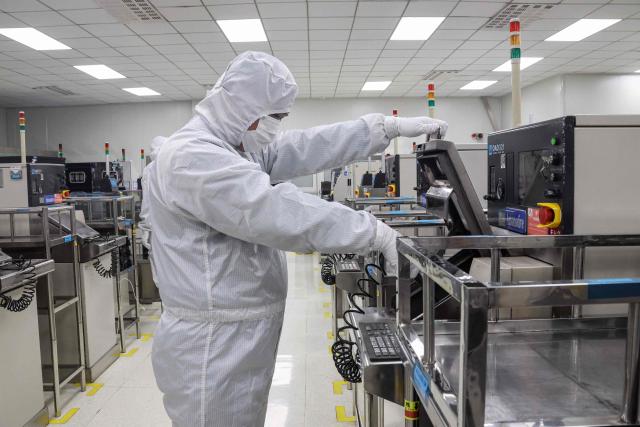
[[613, 288], [49, 199], [68, 238], [515, 220], [421, 381]]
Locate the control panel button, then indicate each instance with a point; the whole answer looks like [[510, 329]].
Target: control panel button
[[552, 193], [549, 215]]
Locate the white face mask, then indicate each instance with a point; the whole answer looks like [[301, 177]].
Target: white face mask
[[256, 140]]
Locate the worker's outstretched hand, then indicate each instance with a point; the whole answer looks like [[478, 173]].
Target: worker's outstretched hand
[[413, 126], [385, 242]]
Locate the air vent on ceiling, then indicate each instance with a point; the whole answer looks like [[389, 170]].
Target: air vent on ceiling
[[438, 74], [526, 12], [131, 10], [55, 89]]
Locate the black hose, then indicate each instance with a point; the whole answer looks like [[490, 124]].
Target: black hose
[[29, 290]]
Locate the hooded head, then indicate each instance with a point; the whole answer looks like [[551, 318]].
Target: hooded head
[[254, 85]]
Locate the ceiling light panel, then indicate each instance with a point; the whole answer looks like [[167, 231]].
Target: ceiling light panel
[[416, 28], [478, 84], [33, 38], [376, 85], [243, 30], [141, 91], [525, 62], [100, 72], [581, 29]]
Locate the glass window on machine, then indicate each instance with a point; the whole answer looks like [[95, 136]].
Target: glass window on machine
[[533, 171]]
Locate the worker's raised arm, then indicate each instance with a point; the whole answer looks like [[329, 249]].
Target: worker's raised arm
[[235, 197], [302, 152]]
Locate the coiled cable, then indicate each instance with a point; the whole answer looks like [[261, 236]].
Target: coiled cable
[[327, 271], [102, 270], [25, 267]]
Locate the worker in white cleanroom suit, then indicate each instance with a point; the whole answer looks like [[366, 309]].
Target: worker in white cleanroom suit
[[144, 228], [220, 229]]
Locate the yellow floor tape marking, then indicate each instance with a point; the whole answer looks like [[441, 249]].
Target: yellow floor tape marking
[[330, 335], [130, 353], [327, 315], [143, 337], [316, 268], [337, 386], [326, 304], [94, 388], [65, 418], [149, 318], [322, 290], [341, 415]]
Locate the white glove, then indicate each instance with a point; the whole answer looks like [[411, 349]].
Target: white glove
[[413, 126], [385, 242]]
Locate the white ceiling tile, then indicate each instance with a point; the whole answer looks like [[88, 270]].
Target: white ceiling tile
[[442, 44], [72, 53], [371, 34], [213, 47], [169, 3], [8, 21], [259, 46], [549, 24], [282, 10], [185, 13], [124, 41], [152, 27], [190, 57], [137, 50], [616, 11], [375, 23], [332, 57], [477, 8], [627, 25], [287, 35], [285, 24], [328, 45], [99, 52], [574, 11], [398, 53], [205, 38], [108, 29], [404, 44], [462, 23], [479, 44], [90, 16], [429, 8], [21, 5], [443, 34], [196, 26], [289, 45], [37, 19], [69, 31], [330, 23], [325, 9], [380, 8], [174, 48], [83, 42], [237, 11], [164, 39], [366, 44], [328, 35]]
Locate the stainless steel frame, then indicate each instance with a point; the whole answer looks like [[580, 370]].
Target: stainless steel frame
[[121, 212], [42, 236], [463, 402]]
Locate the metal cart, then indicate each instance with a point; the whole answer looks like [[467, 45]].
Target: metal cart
[[116, 216], [554, 372], [31, 232]]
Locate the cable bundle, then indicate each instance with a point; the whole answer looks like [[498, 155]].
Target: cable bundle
[[28, 292], [347, 364]]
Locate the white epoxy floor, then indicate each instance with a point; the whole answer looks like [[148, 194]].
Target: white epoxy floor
[[302, 390]]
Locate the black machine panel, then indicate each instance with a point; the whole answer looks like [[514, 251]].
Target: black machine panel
[[530, 171], [392, 173], [87, 177], [45, 178]]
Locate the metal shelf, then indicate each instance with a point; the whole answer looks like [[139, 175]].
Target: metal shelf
[[13, 279]]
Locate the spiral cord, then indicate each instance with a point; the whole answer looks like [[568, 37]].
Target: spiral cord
[[25, 267], [102, 270]]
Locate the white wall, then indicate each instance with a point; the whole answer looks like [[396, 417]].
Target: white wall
[[83, 130], [3, 127], [540, 101], [602, 94]]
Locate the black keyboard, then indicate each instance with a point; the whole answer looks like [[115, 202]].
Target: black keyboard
[[380, 341]]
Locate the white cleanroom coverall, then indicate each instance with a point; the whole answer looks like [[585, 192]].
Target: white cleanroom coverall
[[144, 226], [219, 229]]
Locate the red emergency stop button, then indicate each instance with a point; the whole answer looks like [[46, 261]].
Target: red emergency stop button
[[549, 215]]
